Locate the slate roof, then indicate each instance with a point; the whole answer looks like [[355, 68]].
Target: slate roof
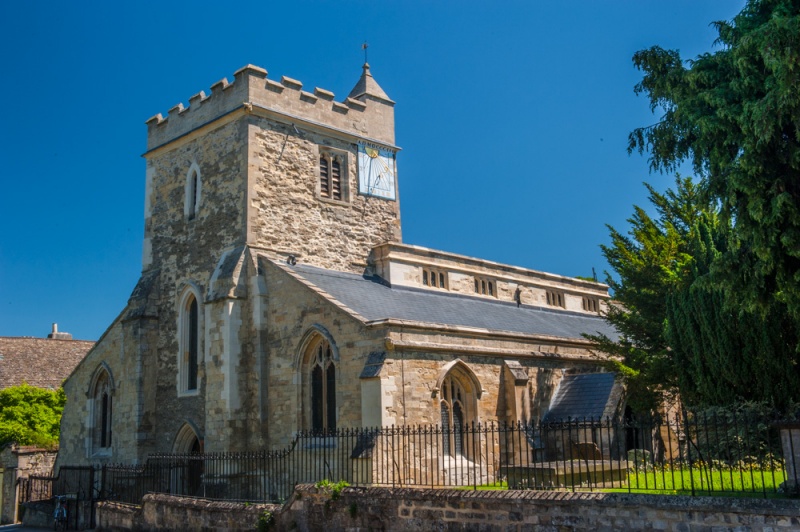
[[374, 300], [581, 396], [41, 362]]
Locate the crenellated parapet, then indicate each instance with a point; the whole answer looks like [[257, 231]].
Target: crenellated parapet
[[365, 114]]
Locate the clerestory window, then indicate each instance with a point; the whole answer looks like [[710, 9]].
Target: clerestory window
[[555, 299], [591, 304], [484, 286], [434, 278]]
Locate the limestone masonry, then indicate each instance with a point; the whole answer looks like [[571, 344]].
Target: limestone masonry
[[276, 293]]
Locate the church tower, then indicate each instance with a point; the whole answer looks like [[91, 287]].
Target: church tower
[[256, 170], [269, 165]]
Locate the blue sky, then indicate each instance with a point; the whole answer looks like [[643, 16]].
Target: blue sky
[[513, 118]]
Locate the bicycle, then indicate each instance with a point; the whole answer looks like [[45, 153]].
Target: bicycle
[[60, 513]]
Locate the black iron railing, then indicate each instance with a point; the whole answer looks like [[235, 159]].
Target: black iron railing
[[78, 484], [686, 453]]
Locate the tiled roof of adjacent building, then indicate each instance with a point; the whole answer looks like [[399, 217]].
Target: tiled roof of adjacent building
[[374, 300], [42, 362]]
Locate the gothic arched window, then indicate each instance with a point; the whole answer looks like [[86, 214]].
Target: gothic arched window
[[452, 406], [189, 348], [101, 394], [319, 370], [192, 193], [458, 390]]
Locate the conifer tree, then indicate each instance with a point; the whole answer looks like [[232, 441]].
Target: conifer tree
[[680, 332], [735, 114], [649, 263]]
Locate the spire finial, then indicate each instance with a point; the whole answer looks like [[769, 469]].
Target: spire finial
[[364, 47]]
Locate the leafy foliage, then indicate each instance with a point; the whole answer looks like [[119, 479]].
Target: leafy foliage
[[335, 488], [731, 289], [723, 356], [681, 331], [651, 261], [266, 521], [30, 415], [735, 114]]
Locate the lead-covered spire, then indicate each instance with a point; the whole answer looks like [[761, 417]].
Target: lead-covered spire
[[367, 86]]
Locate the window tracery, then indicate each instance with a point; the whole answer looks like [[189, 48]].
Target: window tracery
[[320, 374]]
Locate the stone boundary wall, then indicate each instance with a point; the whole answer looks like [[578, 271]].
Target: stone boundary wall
[[427, 509], [166, 512], [403, 509]]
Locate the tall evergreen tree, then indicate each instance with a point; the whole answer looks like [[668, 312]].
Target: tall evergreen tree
[[680, 332], [722, 353], [735, 114], [649, 262]]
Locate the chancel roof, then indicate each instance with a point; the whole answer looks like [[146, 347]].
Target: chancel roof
[[41, 362], [372, 299]]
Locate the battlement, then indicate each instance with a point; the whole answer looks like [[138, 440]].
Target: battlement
[[368, 115]]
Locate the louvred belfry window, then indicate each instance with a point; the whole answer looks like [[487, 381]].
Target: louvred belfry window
[[331, 176], [324, 177]]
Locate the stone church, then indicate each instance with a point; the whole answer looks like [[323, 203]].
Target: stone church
[[277, 295]]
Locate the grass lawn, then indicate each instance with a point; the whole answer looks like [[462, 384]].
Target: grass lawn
[[734, 483], [705, 482]]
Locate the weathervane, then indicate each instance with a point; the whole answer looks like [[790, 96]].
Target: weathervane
[[364, 47]]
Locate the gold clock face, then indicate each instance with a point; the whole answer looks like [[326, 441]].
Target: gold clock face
[[376, 173]]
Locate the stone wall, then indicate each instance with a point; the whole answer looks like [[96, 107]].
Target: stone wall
[[286, 213], [164, 512], [75, 445], [790, 441], [16, 463], [400, 509], [417, 358], [296, 313], [410, 509]]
